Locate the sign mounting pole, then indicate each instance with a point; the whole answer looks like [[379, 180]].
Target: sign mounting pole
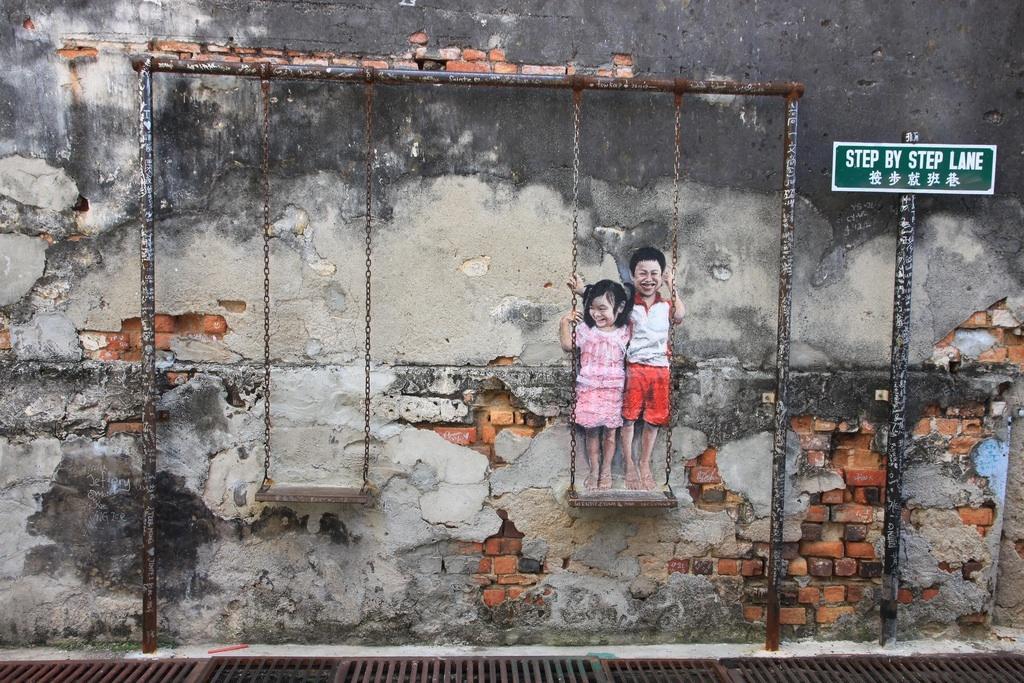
[[896, 445]]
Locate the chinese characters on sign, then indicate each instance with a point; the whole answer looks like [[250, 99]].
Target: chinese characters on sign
[[913, 168]]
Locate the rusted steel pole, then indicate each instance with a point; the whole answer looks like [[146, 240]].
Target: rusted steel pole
[[896, 446], [776, 565], [148, 313], [414, 77]]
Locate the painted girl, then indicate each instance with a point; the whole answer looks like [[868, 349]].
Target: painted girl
[[601, 338]]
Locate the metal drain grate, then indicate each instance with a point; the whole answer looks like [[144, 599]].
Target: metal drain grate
[[269, 670], [666, 671], [98, 671], [471, 670], [865, 669]]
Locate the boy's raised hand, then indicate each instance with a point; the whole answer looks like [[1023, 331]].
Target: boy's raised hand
[[575, 284]]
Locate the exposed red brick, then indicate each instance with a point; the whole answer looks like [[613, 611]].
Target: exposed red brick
[[865, 477], [482, 579], [5, 340], [494, 596], [728, 567], [861, 550], [512, 546], [623, 72], [753, 612], [1015, 354], [963, 444], [947, 426], [828, 615], [797, 567], [822, 425], [517, 579], [123, 427], [809, 595], [163, 340], [802, 424], [832, 497], [505, 68], [622, 59], [469, 548], [821, 548], [463, 436], [678, 565], [819, 566], [496, 54], [929, 594], [214, 324], [904, 596], [343, 60], [817, 513], [792, 616], [506, 564], [78, 52], [375, 63], [752, 568], [174, 46], [704, 475], [923, 427], [472, 67], [853, 512], [979, 319], [543, 70], [419, 38], [845, 566], [312, 61], [979, 516], [816, 441], [492, 546], [471, 55], [834, 593], [177, 378], [854, 592], [485, 566]]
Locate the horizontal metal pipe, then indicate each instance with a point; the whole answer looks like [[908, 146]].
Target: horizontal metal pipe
[[411, 77]]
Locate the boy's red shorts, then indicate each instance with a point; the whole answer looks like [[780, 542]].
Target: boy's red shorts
[[647, 388]]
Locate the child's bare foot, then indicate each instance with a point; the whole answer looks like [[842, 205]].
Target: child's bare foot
[[633, 480], [648, 481], [588, 483], [605, 481]]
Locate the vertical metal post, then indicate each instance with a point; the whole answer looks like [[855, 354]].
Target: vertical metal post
[[896, 445], [776, 565], [148, 313]]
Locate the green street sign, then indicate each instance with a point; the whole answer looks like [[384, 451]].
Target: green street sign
[[913, 168]]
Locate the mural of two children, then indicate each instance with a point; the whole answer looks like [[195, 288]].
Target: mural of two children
[[622, 336]]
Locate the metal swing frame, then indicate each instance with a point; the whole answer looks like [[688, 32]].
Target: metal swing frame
[[146, 66], [271, 492]]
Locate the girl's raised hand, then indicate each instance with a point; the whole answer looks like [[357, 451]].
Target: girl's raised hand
[[575, 284], [570, 316]]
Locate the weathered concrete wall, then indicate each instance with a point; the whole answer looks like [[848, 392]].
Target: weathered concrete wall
[[471, 249]]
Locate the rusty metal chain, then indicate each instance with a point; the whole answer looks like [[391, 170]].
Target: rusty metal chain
[[265, 189], [672, 294], [577, 100], [369, 263]]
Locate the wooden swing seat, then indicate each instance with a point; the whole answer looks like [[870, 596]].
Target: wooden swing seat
[[622, 499], [304, 493]]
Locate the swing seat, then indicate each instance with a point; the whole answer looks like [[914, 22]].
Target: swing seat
[[304, 493], [622, 499]]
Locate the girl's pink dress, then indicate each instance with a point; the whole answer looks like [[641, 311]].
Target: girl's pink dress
[[602, 376]]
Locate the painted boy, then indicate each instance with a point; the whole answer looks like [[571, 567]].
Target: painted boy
[[648, 375]]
